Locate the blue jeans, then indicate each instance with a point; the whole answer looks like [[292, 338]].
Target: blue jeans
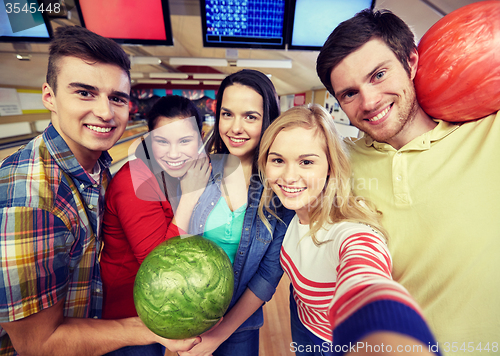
[[244, 343], [305, 342], [145, 350]]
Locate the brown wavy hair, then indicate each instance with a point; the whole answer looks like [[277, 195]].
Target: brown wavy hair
[[351, 34]]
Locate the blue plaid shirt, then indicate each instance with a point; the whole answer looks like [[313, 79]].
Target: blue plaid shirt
[[50, 209]]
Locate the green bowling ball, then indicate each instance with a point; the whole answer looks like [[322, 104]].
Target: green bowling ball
[[183, 287]]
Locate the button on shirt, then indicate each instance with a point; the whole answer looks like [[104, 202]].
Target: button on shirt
[[396, 169], [224, 227], [48, 232]]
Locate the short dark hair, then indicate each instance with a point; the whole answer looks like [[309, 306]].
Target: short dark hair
[[351, 34], [76, 41], [259, 82], [173, 106]]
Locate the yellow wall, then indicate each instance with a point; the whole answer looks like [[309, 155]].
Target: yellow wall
[[316, 96]]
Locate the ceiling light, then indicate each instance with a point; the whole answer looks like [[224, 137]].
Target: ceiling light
[[212, 82], [23, 57], [145, 60], [187, 61], [136, 75], [151, 81], [209, 76], [187, 82], [264, 63], [169, 75]]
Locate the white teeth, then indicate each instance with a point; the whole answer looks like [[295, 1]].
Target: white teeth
[[292, 190], [99, 129], [381, 115], [175, 164], [237, 140]]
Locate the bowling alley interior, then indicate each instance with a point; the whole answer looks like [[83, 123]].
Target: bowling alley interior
[[186, 48]]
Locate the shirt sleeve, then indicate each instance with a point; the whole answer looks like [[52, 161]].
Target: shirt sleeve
[[367, 299], [263, 284], [34, 250], [144, 216]]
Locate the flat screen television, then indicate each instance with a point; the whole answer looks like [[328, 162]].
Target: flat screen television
[[312, 21], [23, 24], [128, 22], [244, 23]]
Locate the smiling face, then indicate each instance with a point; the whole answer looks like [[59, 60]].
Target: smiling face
[[297, 173], [90, 110], [240, 124], [175, 142], [377, 94]]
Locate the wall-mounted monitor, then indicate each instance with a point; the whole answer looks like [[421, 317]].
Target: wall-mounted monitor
[[312, 21], [244, 23], [20, 23], [128, 22]]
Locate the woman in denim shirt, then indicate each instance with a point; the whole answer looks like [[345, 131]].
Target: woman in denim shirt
[[227, 212]]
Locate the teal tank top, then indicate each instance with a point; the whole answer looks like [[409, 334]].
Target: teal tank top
[[224, 227]]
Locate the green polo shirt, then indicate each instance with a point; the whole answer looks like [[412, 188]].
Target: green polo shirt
[[440, 197]]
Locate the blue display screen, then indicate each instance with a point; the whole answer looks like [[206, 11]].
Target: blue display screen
[[20, 22], [314, 20], [244, 23]]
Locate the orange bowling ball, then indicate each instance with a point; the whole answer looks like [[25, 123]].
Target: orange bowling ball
[[458, 75]]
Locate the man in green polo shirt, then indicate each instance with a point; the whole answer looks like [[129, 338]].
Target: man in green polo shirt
[[436, 183]]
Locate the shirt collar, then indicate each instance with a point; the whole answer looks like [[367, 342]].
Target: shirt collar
[[60, 151], [420, 143]]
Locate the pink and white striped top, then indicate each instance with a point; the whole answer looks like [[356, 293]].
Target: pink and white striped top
[[335, 279]]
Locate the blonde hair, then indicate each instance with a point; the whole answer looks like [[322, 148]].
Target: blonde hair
[[337, 202]]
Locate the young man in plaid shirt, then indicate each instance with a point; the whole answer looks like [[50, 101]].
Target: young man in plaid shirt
[[51, 198]]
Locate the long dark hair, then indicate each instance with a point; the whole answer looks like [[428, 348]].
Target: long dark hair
[[355, 32], [259, 82]]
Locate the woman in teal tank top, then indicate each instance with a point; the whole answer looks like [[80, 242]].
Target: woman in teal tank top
[[227, 211]]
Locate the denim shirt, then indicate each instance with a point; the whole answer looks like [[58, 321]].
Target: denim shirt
[[257, 262]]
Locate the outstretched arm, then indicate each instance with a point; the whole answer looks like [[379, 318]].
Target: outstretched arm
[[369, 308], [386, 342]]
